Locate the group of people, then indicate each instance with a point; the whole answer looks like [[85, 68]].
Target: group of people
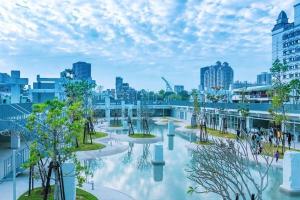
[[275, 137]]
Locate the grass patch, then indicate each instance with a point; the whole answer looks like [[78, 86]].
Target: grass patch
[[36, 194], [141, 135], [89, 147], [99, 135], [215, 133], [204, 143], [270, 150]]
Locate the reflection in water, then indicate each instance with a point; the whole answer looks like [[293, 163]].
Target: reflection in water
[[170, 142], [92, 165], [158, 173], [173, 184], [144, 161], [128, 157], [193, 137]]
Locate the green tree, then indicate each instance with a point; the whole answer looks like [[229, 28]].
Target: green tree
[[280, 94], [54, 128], [161, 95], [81, 91]]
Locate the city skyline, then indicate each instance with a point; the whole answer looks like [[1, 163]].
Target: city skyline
[[139, 41]]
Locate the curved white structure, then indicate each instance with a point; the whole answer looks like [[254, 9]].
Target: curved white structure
[[291, 172]]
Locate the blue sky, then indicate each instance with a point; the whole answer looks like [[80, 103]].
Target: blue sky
[[140, 40]]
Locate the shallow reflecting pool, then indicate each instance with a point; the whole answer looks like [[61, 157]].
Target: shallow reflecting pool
[[133, 173]]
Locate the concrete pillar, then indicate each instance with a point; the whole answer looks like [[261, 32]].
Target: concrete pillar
[[138, 110], [158, 173], [171, 128], [123, 109], [249, 123], [130, 111], [219, 126], [170, 142], [15, 141], [283, 127], [158, 155], [291, 173], [68, 170], [107, 109], [15, 93]]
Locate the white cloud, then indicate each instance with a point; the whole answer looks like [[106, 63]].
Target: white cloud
[[136, 30]]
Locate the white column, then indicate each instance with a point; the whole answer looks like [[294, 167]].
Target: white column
[[68, 171], [291, 172], [123, 110], [158, 155], [15, 141], [249, 123], [171, 128], [130, 111], [138, 110], [107, 109]]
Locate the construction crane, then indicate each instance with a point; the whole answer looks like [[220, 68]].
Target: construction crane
[[168, 85]]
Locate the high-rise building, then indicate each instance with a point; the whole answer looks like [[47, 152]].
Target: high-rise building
[[264, 78], [202, 73], [178, 88], [119, 86], [218, 75], [286, 43], [82, 71], [124, 91]]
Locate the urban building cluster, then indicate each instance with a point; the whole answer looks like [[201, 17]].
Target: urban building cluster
[[14, 89]]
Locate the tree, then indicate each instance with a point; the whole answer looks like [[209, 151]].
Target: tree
[[280, 94], [55, 123], [229, 169], [161, 95], [81, 91]]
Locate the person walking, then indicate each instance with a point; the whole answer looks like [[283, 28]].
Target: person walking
[[277, 155], [289, 140], [238, 134], [270, 140]]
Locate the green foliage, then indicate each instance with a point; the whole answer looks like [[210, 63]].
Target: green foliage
[[56, 124], [196, 103], [78, 90], [280, 92], [244, 112]]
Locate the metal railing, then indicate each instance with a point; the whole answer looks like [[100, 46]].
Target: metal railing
[[22, 156]]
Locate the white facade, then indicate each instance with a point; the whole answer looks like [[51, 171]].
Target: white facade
[[286, 43]]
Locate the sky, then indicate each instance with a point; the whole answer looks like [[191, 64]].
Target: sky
[[140, 40]]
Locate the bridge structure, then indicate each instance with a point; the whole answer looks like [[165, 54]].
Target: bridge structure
[[259, 116], [13, 120]]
